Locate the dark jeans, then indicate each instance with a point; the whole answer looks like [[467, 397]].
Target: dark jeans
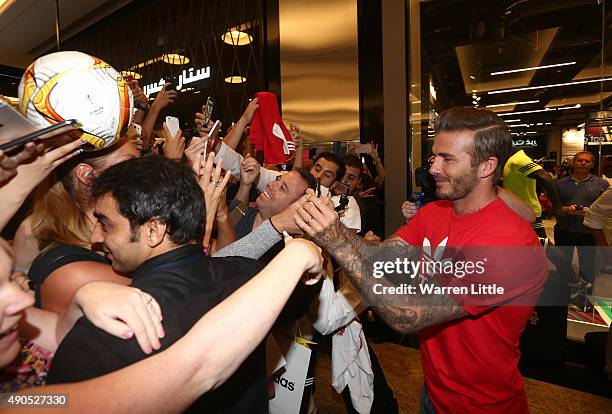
[[584, 243], [426, 407]]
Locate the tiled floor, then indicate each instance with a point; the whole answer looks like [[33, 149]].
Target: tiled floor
[[402, 367]]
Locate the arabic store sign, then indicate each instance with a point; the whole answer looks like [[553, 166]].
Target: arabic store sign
[[524, 143], [188, 76]]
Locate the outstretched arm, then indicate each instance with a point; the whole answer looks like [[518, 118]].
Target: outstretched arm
[[196, 363], [404, 313]]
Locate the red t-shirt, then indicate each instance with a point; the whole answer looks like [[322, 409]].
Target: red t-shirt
[[470, 365]]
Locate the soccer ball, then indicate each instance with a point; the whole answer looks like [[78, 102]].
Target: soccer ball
[[73, 85]]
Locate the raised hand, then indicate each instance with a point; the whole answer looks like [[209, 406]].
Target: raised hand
[[174, 146], [213, 185], [249, 170], [197, 147], [409, 209], [164, 98], [122, 311], [249, 112], [137, 93], [374, 153], [9, 163]]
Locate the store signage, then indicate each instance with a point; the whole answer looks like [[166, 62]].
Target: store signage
[[524, 143], [188, 76]]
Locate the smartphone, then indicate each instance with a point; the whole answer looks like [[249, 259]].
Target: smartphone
[[363, 149], [173, 125], [16, 130], [172, 80], [417, 198], [207, 110], [214, 129]]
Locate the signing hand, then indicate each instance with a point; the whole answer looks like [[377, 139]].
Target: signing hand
[[319, 220], [122, 311]]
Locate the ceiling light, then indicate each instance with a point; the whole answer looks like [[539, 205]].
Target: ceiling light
[[554, 85], [5, 4], [518, 125], [512, 120], [235, 79], [135, 75], [503, 72], [527, 112], [512, 103], [541, 110], [175, 59], [236, 38], [472, 77]]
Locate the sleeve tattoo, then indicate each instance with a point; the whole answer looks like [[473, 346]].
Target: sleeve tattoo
[[403, 312]]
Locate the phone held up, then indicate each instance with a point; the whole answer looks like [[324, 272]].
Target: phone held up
[[207, 110]]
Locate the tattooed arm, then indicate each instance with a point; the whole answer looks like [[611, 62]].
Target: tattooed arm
[[403, 312]]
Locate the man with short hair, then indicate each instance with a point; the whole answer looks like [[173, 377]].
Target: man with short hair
[[577, 193], [276, 196], [150, 215], [468, 342]]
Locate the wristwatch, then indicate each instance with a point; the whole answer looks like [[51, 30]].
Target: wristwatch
[[142, 107]]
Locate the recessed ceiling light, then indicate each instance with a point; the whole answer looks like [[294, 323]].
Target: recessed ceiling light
[[503, 72], [554, 85], [235, 79], [135, 75], [236, 38], [512, 103], [175, 59], [541, 110], [5, 4]]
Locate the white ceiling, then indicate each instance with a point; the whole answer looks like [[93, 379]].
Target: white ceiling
[[27, 28]]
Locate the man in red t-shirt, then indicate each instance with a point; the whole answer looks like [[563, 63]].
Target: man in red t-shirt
[[465, 272]]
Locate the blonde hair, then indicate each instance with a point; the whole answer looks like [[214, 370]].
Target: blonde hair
[[57, 216]]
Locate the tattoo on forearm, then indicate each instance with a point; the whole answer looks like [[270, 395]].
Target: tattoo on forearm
[[405, 312]]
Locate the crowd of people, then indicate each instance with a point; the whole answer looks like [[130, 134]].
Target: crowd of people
[[162, 267]]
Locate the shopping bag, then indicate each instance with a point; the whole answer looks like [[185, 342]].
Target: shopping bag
[[289, 382]]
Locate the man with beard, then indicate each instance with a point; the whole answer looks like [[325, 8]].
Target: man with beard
[[468, 339]]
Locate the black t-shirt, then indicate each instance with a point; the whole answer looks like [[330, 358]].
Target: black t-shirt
[[187, 284], [55, 257]]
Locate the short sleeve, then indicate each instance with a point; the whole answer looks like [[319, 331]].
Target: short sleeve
[[599, 211]]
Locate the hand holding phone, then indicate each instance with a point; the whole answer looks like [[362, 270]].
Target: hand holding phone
[[215, 129], [207, 110], [173, 125]]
